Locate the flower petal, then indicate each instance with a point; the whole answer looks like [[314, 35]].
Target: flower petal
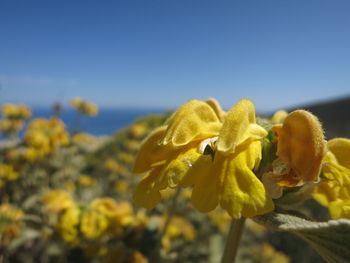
[[205, 195], [194, 120], [239, 125], [214, 104], [340, 147], [147, 192], [175, 170], [229, 180], [301, 146], [242, 193], [151, 152]]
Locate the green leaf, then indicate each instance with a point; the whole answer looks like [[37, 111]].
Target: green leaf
[[330, 239]]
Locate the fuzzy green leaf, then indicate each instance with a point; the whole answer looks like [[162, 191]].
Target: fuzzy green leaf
[[330, 239]]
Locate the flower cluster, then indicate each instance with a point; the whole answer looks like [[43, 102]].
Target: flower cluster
[[44, 136], [102, 217], [334, 189], [220, 153], [10, 223], [84, 107], [13, 118]]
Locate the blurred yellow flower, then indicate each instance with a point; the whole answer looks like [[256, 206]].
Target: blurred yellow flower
[[121, 186], [11, 212], [9, 126], [86, 181], [113, 166], [13, 111], [125, 157], [8, 172], [137, 130], [93, 224], [69, 223], [178, 227], [84, 107], [57, 201], [268, 254], [11, 224], [45, 136], [334, 190]]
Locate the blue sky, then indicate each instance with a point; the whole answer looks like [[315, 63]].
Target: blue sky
[[149, 53]]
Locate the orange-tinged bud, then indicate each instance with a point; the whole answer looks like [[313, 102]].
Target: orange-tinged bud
[[300, 149]]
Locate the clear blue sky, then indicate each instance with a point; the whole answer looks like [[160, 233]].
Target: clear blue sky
[[163, 53]]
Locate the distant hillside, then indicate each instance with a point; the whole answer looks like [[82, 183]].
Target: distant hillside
[[334, 115]]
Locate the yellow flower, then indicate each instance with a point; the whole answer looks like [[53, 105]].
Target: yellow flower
[[84, 107], [334, 190], [228, 179], [93, 224], [13, 111], [170, 151], [9, 126], [7, 171], [57, 201], [76, 102], [86, 181], [137, 130], [45, 136], [218, 158], [300, 149], [11, 223], [106, 206], [11, 212], [121, 186], [178, 227], [68, 224], [113, 166]]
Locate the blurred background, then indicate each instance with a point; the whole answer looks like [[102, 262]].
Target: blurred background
[[136, 57]]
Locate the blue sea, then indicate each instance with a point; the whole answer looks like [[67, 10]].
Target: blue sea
[[107, 122]]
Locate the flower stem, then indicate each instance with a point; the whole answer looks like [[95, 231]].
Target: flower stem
[[233, 239]]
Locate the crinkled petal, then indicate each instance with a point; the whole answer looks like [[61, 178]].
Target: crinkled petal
[[340, 147], [229, 180], [194, 120], [239, 126], [147, 192], [176, 169], [151, 152], [242, 193], [198, 168]]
